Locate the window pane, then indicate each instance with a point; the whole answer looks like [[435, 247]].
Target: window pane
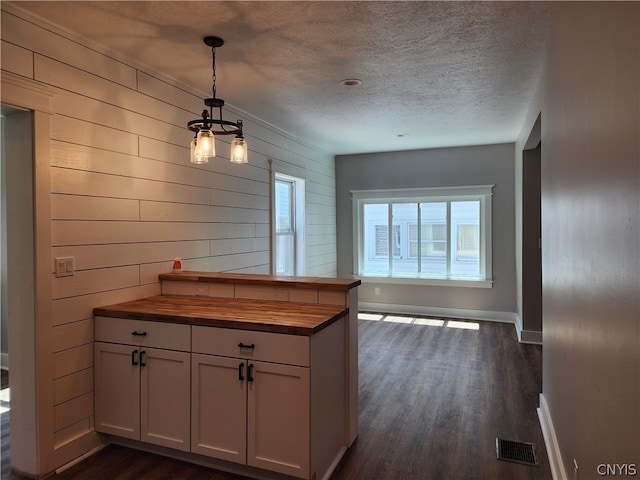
[[285, 254], [284, 206], [404, 214], [465, 232], [375, 238], [433, 245]]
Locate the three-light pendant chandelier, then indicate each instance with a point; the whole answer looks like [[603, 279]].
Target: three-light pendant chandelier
[[203, 145]]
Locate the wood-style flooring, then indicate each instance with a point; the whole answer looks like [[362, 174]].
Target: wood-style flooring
[[433, 399]]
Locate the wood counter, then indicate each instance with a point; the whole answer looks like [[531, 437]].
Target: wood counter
[[260, 315], [324, 283]]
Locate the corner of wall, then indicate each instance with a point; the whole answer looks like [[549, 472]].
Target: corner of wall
[[551, 442]]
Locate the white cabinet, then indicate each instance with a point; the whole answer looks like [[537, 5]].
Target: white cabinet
[[278, 418], [142, 392], [262, 401], [251, 411]]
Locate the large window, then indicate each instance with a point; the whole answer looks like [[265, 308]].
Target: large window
[[435, 235]]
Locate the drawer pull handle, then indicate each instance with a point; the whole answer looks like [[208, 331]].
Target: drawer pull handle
[[242, 345], [250, 373], [139, 334], [133, 358], [241, 372], [142, 364]]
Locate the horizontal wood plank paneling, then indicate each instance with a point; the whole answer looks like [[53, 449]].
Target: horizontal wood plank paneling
[[81, 157], [94, 281], [240, 245], [17, 60], [172, 212], [166, 93], [114, 255], [72, 334], [95, 87], [45, 41], [72, 432], [88, 233], [150, 271], [73, 385], [72, 360], [77, 207], [72, 309], [74, 410], [115, 117], [125, 200], [72, 130], [80, 182], [224, 263]]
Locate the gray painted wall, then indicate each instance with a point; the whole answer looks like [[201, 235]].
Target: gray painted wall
[[477, 165], [590, 103]]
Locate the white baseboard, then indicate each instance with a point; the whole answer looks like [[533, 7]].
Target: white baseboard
[[524, 336], [527, 336], [506, 317], [4, 361], [530, 336], [550, 441]]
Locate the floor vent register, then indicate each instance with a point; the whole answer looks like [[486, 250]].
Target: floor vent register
[[517, 452]]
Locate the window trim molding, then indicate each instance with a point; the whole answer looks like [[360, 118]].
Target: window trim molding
[[482, 192], [279, 171]]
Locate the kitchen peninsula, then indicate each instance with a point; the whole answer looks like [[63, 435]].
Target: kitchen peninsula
[[252, 374]]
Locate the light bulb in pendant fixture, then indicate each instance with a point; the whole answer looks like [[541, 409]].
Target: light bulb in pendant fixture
[[205, 145], [239, 150], [195, 157]]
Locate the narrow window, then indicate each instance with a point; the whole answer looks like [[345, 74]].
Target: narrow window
[[288, 221]]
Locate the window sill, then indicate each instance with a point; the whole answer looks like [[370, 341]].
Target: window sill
[[438, 282]]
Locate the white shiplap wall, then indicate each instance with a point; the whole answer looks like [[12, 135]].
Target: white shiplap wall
[[125, 200]]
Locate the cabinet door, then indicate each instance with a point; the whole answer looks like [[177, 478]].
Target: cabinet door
[[279, 419], [165, 398], [219, 407], [117, 390]]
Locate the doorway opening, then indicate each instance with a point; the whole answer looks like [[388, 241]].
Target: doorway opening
[[17, 281], [532, 230]]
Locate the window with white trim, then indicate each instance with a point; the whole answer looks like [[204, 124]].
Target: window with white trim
[[430, 235], [288, 225]]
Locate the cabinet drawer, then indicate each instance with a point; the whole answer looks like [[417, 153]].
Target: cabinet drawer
[[268, 347], [171, 336]]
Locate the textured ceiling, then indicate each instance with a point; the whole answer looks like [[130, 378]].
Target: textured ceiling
[[433, 74]]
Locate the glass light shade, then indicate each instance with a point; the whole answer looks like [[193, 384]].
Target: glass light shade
[[238, 151], [205, 145], [193, 156]]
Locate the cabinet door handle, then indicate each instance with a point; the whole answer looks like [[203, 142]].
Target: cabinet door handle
[[142, 364], [250, 373], [133, 358], [242, 345], [241, 372], [139, 334]]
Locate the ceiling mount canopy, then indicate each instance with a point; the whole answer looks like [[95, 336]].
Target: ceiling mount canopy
[[203, 144]]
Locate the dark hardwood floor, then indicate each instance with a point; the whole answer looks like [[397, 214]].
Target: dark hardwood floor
[[433, 399]]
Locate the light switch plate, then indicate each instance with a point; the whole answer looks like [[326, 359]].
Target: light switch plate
[[65, 266]]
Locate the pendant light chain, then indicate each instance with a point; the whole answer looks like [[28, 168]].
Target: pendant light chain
[[213, 76]]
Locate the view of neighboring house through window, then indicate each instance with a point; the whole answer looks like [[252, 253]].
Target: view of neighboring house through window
[[441, 234]]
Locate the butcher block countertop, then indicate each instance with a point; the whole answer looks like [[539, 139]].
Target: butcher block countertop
[[257, 279], [265, 316]]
